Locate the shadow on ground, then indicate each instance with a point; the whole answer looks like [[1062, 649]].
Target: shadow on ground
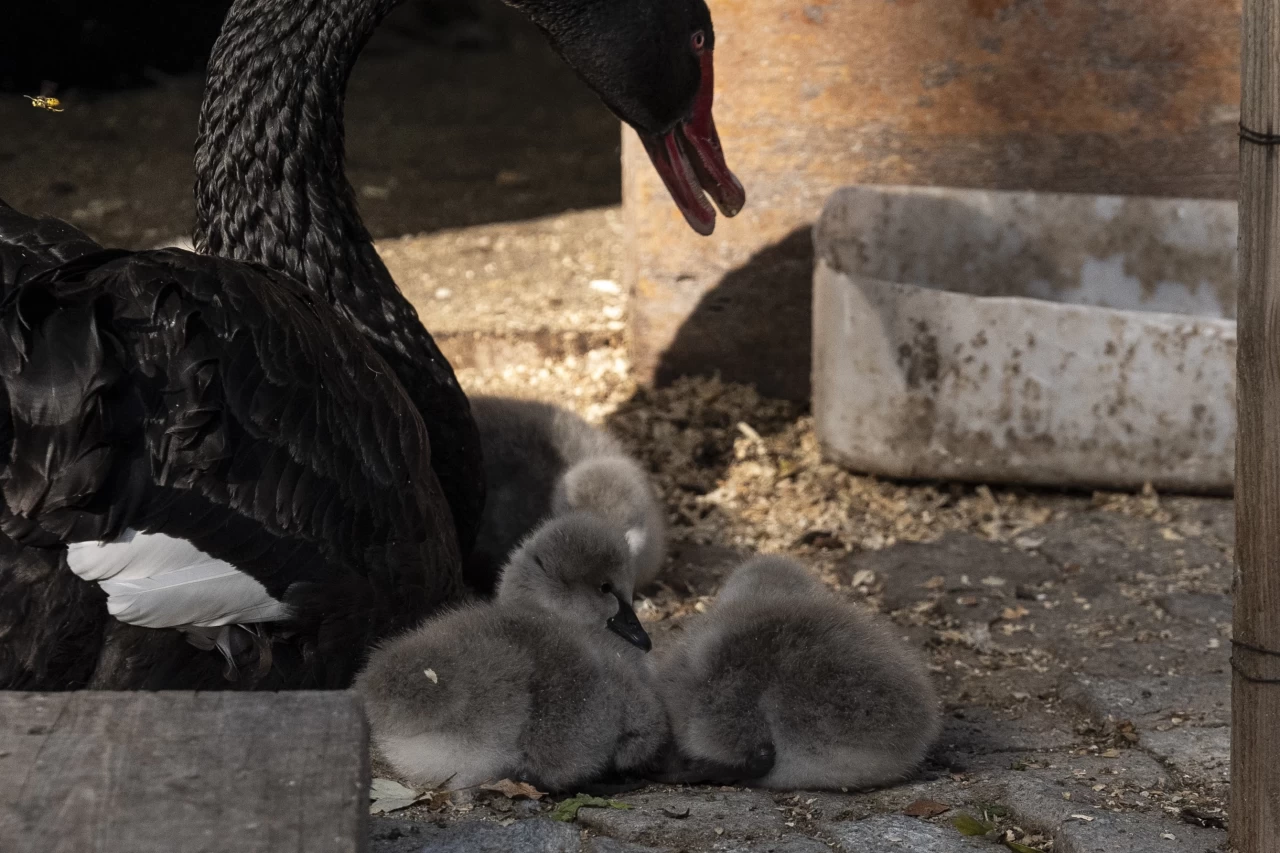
[[755, 326]]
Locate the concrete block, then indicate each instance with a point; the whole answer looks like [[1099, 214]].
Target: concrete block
[[1066, 340]]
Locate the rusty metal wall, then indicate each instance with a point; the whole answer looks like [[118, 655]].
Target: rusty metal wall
[[1138, 97]]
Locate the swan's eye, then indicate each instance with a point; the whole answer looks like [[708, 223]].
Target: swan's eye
[[699, 41], [606, 587]]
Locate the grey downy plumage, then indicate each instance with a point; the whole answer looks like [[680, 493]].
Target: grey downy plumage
[[542, 460], [782, 685], [548, 684]]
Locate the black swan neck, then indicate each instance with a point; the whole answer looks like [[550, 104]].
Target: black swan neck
[[271, 185], [271, 188]]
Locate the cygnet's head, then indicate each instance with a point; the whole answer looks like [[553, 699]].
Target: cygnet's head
[[617, 489], [579, 566], [768, 577]]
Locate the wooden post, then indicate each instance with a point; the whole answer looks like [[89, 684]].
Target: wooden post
[[1255, 693]]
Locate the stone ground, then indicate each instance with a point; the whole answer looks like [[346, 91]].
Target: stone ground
[[1080, 642]]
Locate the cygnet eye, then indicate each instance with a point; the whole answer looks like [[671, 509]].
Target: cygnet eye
[[606, 587], [698, 41]]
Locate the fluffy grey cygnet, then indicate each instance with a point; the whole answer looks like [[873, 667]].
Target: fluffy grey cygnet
[[782, 685], [541, 460], [548, 684]]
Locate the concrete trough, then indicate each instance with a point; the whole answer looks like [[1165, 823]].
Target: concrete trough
[[1063, 340]]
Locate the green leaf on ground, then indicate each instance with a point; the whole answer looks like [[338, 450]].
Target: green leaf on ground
[[567, 811], [967, 824], [1020, 848]]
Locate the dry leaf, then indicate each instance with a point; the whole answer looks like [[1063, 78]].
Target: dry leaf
[[1083, 817], [677, 815], [431, 674], [1198, 817], [389, 796], [1013, 614], [863, 577], [514, 790], [926, 808]]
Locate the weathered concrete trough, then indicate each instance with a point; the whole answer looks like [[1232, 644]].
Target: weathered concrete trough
[[1073, 340]]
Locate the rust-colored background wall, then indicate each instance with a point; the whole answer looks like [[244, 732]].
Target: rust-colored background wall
[[1127, 96]]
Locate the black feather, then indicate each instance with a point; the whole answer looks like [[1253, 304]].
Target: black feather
[[273, 117], [149, 391]]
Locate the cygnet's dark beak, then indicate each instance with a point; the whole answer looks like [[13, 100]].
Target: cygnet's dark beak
[[691, 162], [625, 624]]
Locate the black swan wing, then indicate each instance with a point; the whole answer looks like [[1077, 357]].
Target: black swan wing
[[47, 615], [215, 447], [30, 245]]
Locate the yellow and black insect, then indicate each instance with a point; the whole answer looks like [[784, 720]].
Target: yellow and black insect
[[45, 100]]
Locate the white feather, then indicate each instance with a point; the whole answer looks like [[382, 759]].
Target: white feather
[[636, 537], [159, 581]]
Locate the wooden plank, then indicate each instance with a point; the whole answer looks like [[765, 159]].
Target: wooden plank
[[1255, 687], [183, 772], [1120, 96]]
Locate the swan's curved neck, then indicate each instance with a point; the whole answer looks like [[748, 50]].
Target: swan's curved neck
[[270, 180]]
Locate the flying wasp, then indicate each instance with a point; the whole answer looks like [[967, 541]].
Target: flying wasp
[[45, 100]]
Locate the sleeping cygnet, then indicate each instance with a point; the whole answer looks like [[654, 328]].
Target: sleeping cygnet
[[541, 460], [782, 685], [549, 683]]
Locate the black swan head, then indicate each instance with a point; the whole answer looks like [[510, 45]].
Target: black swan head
[[651, 63], [269, 162]]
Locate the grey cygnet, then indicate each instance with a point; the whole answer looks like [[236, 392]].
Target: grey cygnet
[[542, 460], [548, 684], [782, 685]]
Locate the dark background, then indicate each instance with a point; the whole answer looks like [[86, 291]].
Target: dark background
[[458, 114], [107, 44]]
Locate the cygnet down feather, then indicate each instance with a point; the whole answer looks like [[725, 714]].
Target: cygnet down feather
[[547, 684], [542, 460], [782, 685]]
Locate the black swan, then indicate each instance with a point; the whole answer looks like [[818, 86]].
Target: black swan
[[549, 683], [271, 190]]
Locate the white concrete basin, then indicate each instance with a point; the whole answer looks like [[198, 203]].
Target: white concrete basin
[[1033, 338]]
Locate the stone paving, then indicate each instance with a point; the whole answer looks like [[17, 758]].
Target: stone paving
[[1085, 673]]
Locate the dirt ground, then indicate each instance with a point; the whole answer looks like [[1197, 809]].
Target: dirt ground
[[1079, 642]]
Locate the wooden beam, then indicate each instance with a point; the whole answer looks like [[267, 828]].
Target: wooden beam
[[1255, 692], [183, 773]]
